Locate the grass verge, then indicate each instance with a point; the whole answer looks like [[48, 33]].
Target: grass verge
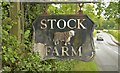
[[115, 33], [85, 66]]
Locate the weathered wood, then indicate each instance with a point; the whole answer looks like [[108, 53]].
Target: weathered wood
[[80, 45], [15, 16], [22, 20]]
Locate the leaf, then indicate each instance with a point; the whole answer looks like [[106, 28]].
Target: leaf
[[5, 57], [5, 32], [27, 33]]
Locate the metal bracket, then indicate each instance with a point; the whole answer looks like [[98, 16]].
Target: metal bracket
[[80, 11], [81, 5], [45, 10]]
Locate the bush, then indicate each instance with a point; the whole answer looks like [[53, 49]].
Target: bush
[[18, 56], [115, 33]]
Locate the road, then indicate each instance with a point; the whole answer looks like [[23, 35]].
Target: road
[[106, 53]]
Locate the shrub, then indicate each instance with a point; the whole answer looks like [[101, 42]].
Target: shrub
[[18, 56]]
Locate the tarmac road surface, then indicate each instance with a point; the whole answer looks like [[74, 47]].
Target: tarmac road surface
[[106, 53]]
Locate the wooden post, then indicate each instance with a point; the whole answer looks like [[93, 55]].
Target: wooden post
[[22, 20], [14, 14]]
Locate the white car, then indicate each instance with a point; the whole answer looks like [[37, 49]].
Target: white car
[[100, 38], [99, 31]]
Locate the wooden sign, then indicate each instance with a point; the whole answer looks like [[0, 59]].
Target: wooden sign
[[64, 37]]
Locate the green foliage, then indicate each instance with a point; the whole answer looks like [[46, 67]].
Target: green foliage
[[85, 66], [115, 33], [68, 65], [110, 24], [110, 11], [89, 10], [18, 56], [56, 9]]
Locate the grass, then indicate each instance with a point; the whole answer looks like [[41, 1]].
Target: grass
[[94, 33], [115, 33], [85, 66]]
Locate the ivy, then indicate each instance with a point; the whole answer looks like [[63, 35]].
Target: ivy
[[18, 56]]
